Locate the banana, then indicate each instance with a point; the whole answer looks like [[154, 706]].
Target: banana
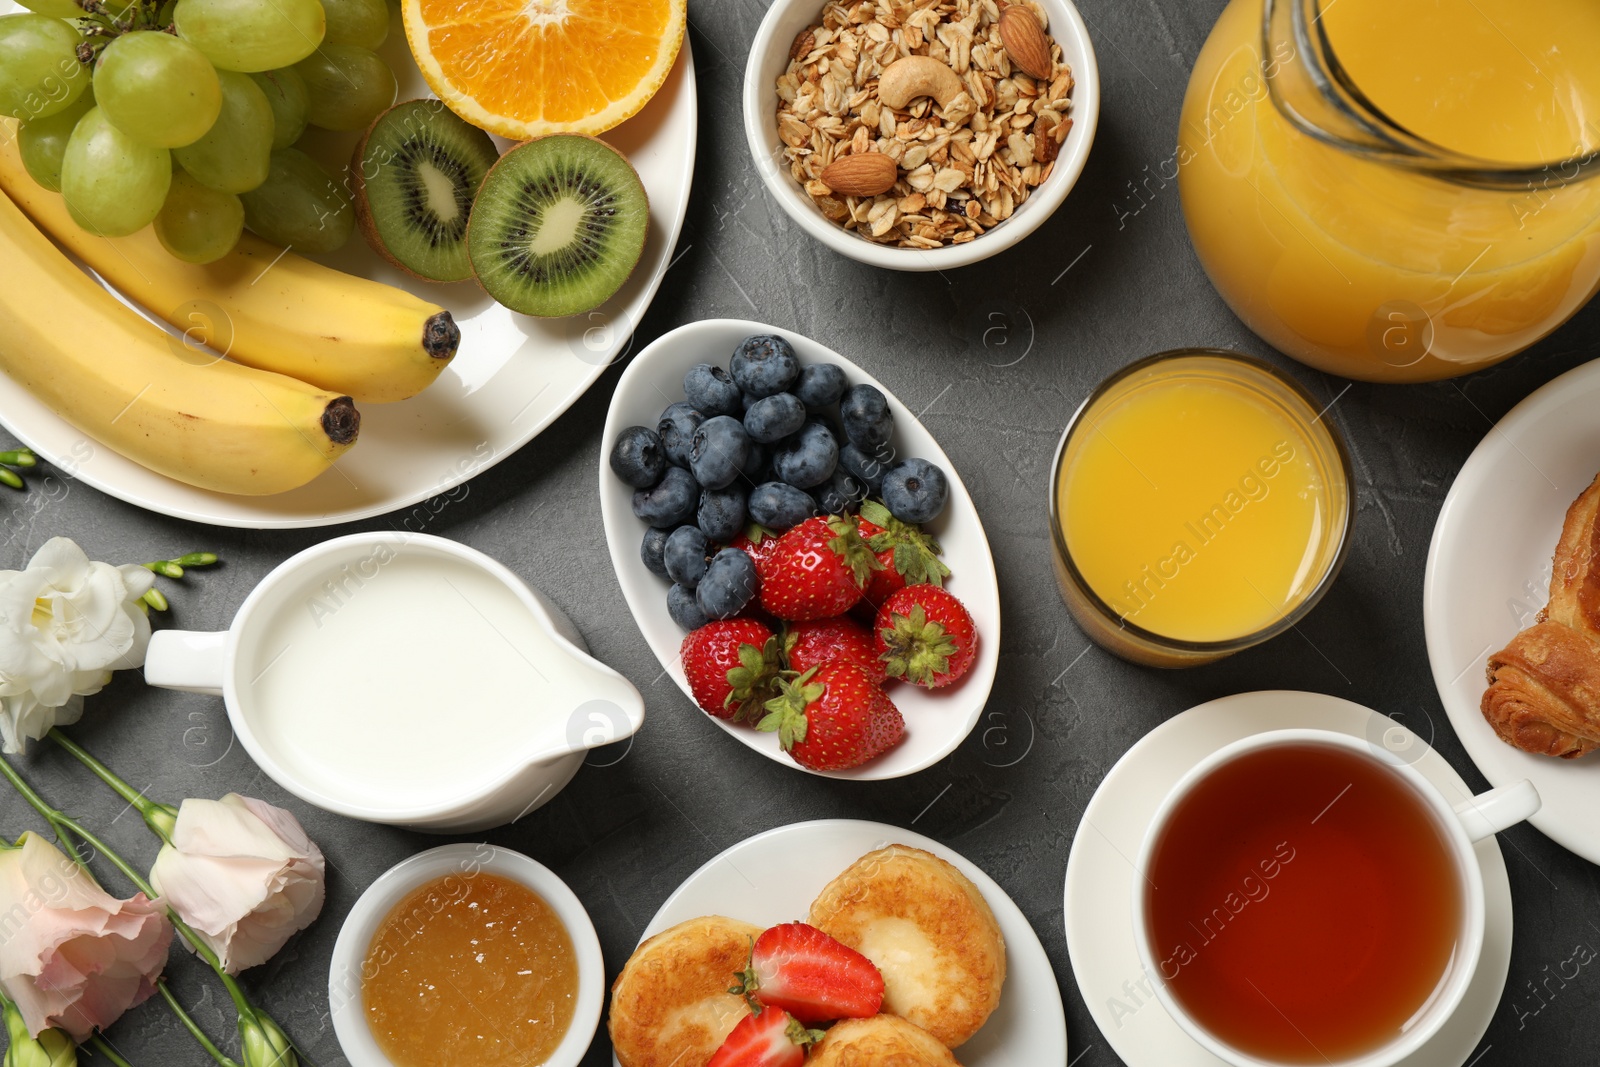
[[261, 305], [127, 384]]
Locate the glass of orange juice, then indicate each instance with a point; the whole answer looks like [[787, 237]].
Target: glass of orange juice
[[1199, 504], [1396, 191]]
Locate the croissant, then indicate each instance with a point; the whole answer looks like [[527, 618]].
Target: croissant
[[1544, 687]]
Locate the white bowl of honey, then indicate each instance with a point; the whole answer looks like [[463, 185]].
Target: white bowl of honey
[[1199, 504], [467, 953]]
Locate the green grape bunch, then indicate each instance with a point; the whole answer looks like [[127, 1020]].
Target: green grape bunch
[[183, 114]]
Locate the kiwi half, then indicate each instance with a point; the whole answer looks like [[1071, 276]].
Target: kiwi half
[[558, 225], [415, 173]]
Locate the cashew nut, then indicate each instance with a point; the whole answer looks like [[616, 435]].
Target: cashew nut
[[906, 79]]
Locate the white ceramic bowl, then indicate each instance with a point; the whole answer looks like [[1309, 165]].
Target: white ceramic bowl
[[936, 720], [769, 56], [462, 860]]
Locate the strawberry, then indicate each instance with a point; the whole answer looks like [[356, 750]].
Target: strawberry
[[925, 636], [817, 570], [808, 974], [823, 641], [758, 541], [833, 718], [909, 556], [730, 666], [770, 1038]]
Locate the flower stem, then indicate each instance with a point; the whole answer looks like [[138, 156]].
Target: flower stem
[[102, 1046], [190, 1025], [159, 817], [66, 827]]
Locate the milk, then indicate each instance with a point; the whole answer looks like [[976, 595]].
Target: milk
[[405, 678]]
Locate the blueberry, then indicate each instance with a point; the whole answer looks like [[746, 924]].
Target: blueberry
[[685, 609], [809, 457], [841, 494], [820, 386], [867, 467], [778, 506], [730, 582], [676, 428], [638, 458], [717, 451], [721, 513], [669, 503], [775, 417], [764, 364], [651, 550], [711, 391], [865, 414], [757, 464], [686, 556], [915, 490]]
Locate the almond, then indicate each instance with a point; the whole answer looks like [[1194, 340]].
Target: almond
[[1026, 42], [867, 174], [804, 42]]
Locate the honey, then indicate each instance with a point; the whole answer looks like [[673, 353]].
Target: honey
[[470, 969]]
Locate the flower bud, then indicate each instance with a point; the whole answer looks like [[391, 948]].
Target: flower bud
[[51, 1048], [263, 1043]]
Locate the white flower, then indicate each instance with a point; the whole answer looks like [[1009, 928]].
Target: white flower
[[65, 624], [243, 874]]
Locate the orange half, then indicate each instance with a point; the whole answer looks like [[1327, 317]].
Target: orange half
[[526, 68]]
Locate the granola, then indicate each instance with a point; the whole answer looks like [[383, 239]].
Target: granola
[[964, 166]]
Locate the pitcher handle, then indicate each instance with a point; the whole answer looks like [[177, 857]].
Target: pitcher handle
[[188, 660], [1498, 809]]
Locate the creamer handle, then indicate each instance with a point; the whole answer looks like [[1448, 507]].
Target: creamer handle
[[188, 660]]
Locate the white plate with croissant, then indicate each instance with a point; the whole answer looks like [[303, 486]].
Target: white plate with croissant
[[1511, 603]]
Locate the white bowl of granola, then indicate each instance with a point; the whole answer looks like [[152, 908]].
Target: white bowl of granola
[[983, 151]]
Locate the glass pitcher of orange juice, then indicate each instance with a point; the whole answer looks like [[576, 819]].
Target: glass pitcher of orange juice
[[1397, 190]]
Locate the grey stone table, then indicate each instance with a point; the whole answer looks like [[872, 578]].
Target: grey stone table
[[998, 355]]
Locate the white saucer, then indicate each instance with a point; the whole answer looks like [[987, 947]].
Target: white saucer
[[1489, 574], [1100, 873], [773, 877]]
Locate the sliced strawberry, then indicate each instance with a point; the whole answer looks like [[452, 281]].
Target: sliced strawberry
[[819, 642], [833, 718], [909, 556], [817, 570], [926, 636], [730, 666], [811, 976], [771, 1038]]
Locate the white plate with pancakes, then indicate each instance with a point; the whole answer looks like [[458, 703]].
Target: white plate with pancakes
[[774, 877]]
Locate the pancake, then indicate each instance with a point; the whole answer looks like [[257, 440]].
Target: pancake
[[670, 1006], [930, 932], [881, 1041]]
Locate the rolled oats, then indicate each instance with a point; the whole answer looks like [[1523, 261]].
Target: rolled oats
[[964, 167]]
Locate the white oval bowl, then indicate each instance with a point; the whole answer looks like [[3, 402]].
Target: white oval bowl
[[374, 905], [769, 57], [937, 721]]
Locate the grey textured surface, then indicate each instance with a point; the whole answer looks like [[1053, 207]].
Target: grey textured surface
[[999, 355]]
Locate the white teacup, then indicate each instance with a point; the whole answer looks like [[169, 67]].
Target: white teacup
[[405, 678], [1461, 825]]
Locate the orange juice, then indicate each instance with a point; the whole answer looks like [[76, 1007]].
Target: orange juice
[[1368, 269], [1198, 500]]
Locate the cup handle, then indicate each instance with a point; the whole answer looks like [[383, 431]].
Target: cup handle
[[188, 660], [1498, 809]]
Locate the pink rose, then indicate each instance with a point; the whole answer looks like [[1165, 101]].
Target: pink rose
[[243, 874], [71, 955]]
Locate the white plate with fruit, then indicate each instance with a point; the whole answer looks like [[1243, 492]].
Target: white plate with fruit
[[808, 533], [851, 880], [143, 407]]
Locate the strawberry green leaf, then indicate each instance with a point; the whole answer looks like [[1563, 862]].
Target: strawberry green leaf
[[850, 548], [751, 683], [918, 650], [786, 712]]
